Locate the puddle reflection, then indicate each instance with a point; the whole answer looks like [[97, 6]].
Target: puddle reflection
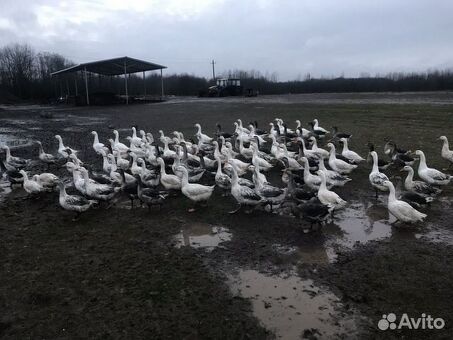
[[290, 306], [202, 235]]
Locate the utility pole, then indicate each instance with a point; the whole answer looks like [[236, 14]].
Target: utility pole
[[213, 69]]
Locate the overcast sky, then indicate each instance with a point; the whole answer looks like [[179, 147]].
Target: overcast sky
[[291, 38]]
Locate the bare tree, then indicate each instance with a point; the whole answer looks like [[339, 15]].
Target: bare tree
[[17, 68]]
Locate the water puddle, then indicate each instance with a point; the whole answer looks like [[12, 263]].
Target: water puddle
[[292, 307], [74, 129], [202, 235], [358, 223], [13, 141], [361, 223], [307, 254], [87, 121], [5, 189]]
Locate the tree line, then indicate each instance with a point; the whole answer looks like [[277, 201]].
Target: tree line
[[26, 75]]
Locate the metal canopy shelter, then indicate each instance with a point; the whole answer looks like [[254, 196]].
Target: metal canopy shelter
[[114, 67]]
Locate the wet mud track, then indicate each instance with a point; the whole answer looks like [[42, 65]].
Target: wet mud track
[[123, 273]]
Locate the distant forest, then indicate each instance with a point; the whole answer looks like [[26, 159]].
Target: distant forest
[[25, 75]]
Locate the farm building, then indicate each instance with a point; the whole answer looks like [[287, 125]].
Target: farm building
[[101, 81]]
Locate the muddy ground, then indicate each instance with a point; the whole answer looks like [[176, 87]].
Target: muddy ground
[[122, 273]]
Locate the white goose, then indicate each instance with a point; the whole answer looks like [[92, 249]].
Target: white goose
[[45, 157], [63, 150], [118, 146], [46, 180], [164, 138], [403, 211], [194, 191], [337, 164], [242, 128], [149, 178], [120, 162], [140, 151], [170, 182], [245, 152], [243, 194], [307, 152], [332, 176], [134, 168], [376, 177], [229, 150], [219, 154], [446, 153], [97, 146], [320, 152], [137, 141], [349, 154], [79, 182], [418, 187], [327, 197], [201, 136], [258, 178], [240, 166], [319, 128], [11, 161], [222, 179], [167, 154], [263, 164], [312, 181], [430, 175], [76, 203], [31, 186], [304, 133], [102, 192]]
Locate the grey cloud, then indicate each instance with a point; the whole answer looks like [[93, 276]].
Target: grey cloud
[[288, 37]]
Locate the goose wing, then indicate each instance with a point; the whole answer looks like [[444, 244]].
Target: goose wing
[[270, 191], [437, 175], [249, 194], [404, 211], [378, 178], [76, 200]]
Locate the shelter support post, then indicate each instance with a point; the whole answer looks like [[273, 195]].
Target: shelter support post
[[161, 85], [125, 82], [86, 85], [144, 85], [75, 84]]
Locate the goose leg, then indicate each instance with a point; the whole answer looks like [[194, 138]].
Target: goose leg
[[235, 211]]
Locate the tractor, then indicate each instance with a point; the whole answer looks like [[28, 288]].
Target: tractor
[[225, 88]]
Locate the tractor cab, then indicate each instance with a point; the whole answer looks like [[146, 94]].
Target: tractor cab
[[226, 87]]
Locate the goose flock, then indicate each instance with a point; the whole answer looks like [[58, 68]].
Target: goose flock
[[238, 163]]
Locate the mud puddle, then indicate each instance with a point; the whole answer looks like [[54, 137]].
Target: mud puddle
[[13, 141], [202, 235], [5, 189], [362, 222], [292, 307]]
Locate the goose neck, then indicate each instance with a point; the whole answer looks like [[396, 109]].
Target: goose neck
[[96, 138], [445, 146], [375, 163], [410, 176], [422, 164], [345, 145], [323, 186], [162, 168], [392, 196]]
